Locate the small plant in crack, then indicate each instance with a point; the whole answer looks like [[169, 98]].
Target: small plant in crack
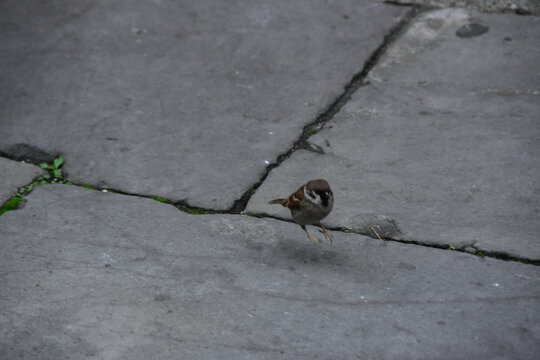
[[161, 199], [56, 178], [55, 167]]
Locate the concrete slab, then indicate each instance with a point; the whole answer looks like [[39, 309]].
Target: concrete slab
[[467, 51], [14, 175], [108, 276], [523, 7], [185, 100], [443, 146]]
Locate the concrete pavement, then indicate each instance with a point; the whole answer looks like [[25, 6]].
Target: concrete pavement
[[108, 276], [424, 121], [442, 145], [137, 93]]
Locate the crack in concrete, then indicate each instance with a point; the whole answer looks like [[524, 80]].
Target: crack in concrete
[[327, 114], [35, 155], [28, 153], [470, 249], [303, 143]]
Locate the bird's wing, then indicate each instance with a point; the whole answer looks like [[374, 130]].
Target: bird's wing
[[296, 199]]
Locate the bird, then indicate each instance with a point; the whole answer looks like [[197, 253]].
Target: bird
[[311, 203]]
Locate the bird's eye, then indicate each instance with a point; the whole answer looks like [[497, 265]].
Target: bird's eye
[[328, 194]]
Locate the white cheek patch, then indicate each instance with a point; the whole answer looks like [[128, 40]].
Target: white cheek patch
[[314, 196]]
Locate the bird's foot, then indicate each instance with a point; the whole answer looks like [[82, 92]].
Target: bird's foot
[[326, 234], [315, 239]]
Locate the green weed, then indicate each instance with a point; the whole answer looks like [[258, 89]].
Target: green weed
[[55, 167], [11, 204]]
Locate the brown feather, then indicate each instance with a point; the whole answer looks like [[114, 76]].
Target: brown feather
[[278, 201], [295, 199], [318, 184], [311, 210]]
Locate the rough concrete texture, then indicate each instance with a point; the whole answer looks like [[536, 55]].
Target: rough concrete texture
[[130, 278], [522, 7], [191, 101], [443, 145], [185, 100], [14, 175]]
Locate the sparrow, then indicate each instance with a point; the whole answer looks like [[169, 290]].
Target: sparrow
[[310, 204]]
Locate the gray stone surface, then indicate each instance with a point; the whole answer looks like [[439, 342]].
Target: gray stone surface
[[14, 175], [191, 100], [524, 7], [107, 276], [186, 100], [443, 146]]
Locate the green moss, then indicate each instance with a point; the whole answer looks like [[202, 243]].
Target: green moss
[[11, 204], [88, 187], [349, 231], [197, 211], [311, 132], [249, 213], [481, 254], [161, 200]]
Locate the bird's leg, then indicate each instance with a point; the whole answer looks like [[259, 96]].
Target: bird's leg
[[311, 237], [327, 235]]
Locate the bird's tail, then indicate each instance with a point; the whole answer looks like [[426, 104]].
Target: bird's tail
[[279, 201]]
